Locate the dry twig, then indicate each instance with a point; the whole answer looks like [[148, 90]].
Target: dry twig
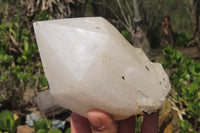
[[174, 107]]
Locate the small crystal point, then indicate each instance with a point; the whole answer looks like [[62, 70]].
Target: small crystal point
[[90, 65]]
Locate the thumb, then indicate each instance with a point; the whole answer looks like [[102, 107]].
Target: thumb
[[101, 122]]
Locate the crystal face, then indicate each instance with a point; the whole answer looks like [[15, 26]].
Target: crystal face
[[90, 65]]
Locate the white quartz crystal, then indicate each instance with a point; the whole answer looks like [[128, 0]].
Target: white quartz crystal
[[90, 65]]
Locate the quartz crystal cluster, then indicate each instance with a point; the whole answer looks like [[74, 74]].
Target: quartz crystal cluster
[[90, 65]]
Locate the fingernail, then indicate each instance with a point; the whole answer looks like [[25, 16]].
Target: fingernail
[[97, 124]]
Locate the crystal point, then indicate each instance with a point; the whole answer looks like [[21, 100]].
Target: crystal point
[[90, 65]]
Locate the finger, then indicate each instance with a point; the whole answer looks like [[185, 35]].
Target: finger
[[150, 123], [79, 124], [101, 122], [127, 125]]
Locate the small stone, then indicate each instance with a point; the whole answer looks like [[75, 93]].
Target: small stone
[[90, 65], [25, 129]]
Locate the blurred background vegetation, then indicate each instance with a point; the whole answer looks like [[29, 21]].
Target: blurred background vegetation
[[22, 75]]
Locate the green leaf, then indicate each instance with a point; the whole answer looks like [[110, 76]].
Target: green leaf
[[43, 124], [25, 36], [179, 56], [127, 35], [55, 131], [172, 54], [168, 50], [195, 69], [41, 16], [188, 61], [16, 124], [26, 45], [42, 131], [185, 126], [68, 130], [5, 118], [7, 122]]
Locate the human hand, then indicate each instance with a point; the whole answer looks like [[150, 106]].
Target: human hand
[[101, 122]]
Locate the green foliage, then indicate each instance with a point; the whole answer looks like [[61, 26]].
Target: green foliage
[[54, 131], [186, 127], [138, 126], [68, 130], [185, 78], [173, 58], [20, 65], [7, 122], [42, 16], [4, 30], [181, 38], [127, 35], [44, 126]]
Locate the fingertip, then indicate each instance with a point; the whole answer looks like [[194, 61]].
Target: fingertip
[[99, 113], [101, 121]]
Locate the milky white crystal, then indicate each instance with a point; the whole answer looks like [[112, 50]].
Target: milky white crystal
[[90, 65]]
